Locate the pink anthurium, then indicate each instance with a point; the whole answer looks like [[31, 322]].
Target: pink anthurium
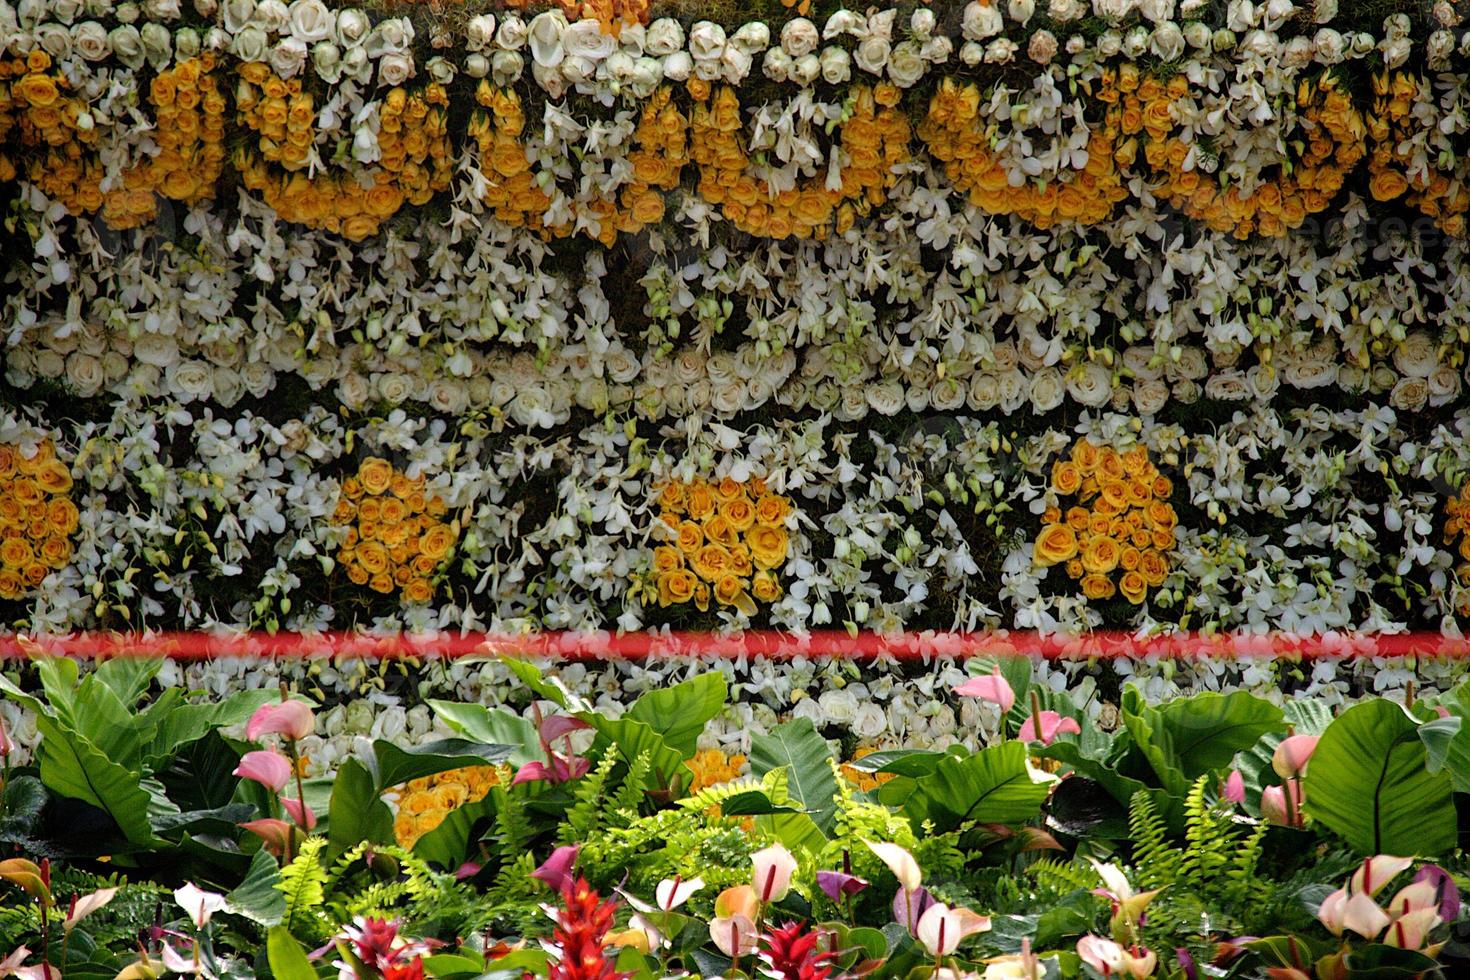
[[1356, 912], [556, 870], [838, 885], [734, 935], [1291, 756], [300, 813], [1282, 805], [1113, 959], [772, 871], [991, 687], [292, 720], [1052, 725], [276, 834], [267, 767], [1376, 872], [1233, 789]]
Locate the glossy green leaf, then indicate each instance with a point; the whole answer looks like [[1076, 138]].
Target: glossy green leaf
[[492, 726], [679, 713], [994, 785], [287, 959], [357, 811], [73, 767], [796, 747]]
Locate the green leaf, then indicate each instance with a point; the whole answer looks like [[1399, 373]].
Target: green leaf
[[994, 785], [796, 747], [679, 713], [1188, 737], [396, 766], [492, 726], [1457, 753], [356, 813], [128, 677], [24, 799], [174, 724], [900, 762], [1071, 754], [257, 897], [550, 688], [447, 845], [287, 959], [629, 738], [454, 965], [73, 767], [101, 718], [1369, 782]]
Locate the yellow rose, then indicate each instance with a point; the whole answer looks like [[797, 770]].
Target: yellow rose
[[719, 530], [711, 562], [54, 477], [766, 587], [701, 502], [15, 553], [767, 545], [1133, 587], [739, 512], [376, 474], [436, 541], [1086, 456], [730, 591], [1153, 567], [1101, 555], [666, 559], [691, 537], [373, 557], [675, 586], [1097, 587], [1055, 544], [1066, 477]]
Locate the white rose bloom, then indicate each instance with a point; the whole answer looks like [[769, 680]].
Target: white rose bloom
[[1352, 379], [1157, 11], [326, 60], [227, 384], [259, 379], [114, 366], [191, 380], [1167, 41], [922, 23], [187, 43], [48, 364], [806, 70], [905, 65], [1440, 48], [886, 397], [838, 707], [477, 65], [1091, 385], [1410, 395], [288, 57], [729, 397], [395, 68], [271, 16], [512, 34], [937, 49], [1110, 44], [238, 13], [869, 721], [981, 21], [633, 39], [1444, 385], [1042, 48], [1396, 51], [585, 39], [1198, 34], [845, 22], [1324, 11], [1417, 356], [1227, 386], [1382, 379], [480, 33], [1047, 389], [395, 388], [85, 374], [678, 65], [881, 23], [576, 69], [1021, 11], [1309, 372], [89, 39], [735, 64], [65, 11], [53, 39], [972, 53], [1062, 11], [1360, 44], [872, 55], [1113, 10], [158, 44], [752, 37], [1445, 13], [1135, 42], [647, 74], [948, 395], [545, 38], [665, 36], [311, 21], [440, 69], [352, 27], [1186, 392], [776, 65], [1150, 397], [127, 45], [836, 65], [506, 66], [1297, 53], [157, 349], [706, 41], [1001, 51], [249, 45], [799, 37], [356, 65]]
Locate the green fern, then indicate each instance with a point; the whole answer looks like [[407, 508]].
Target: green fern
[[1062, 877], [631, 794], [513, 833], [1156, 863], [1209, 837], [586, 812], [303, 882]]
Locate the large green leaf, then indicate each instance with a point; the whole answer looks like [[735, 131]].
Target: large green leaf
[[1188, 737], [257, 898], [629, 738], [492, 726], [174, 724], [356, 813], [796, 747], [550, 688], [1072, 754], [1369, 782], [447, 845], [994, 785], [679, 713], [287, 959], [396, 765], [1306, 717], [128, 677], [71, 766], [1457, 752]]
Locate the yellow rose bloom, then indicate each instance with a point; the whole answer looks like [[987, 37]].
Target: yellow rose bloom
[[767, 545], [1101, 555], [675, 587], [1066, 477], [436, 541], [739, 512], [1133, 587], [765, 587], [376, 475], [1055, 544], [1097, 587]]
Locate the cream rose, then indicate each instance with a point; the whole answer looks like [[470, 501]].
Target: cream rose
[[85, 374], [311, 21], [799, 37], [480, 32], [238, 13], [1047, 389], [395, 68], [872, 55], [89, 39], [905, 65], [249, 45], [127, 45], [984, 392], [751, 37], [1090, 385], [288, 57], [706, 41], [836, 65], [545, 36], [1410, 395], [1150, 396], [585, 39], [664, 37], [981, 21]]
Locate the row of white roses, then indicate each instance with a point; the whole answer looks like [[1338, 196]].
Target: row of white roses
[[347, 43], [1360, 501]]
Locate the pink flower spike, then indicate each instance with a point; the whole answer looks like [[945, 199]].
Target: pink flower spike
[[267, 767], [1052, 725], [300, 813], [1233, 788], [989, 687], [292, 720]]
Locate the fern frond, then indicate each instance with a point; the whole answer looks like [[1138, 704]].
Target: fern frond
[[513, 833], [586, 812], [303, 882], [1209, 839], [1062, 877], [715, 795], [1155, 862]]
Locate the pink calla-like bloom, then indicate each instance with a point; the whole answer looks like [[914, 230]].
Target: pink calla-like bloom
[[940, 930], [838, 885], [989, 687], [556, 870], [771, 874], [1052, 725], [733, 935], [561, 770], [1291, 756], [300, 812], [560, 726], [1233, 789], [292, 720], [275, 833], [1281, 804], [1376, 872], [267, 767]]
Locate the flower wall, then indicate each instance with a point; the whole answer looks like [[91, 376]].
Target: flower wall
[[1058, 316]]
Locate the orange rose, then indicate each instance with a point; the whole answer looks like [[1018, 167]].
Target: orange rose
[[666, 559], [1086, 456], [1153, 567], [691, 537], [739, 512], [418, 591], [1101, 555], [54, 477], [1056, 543], [375, 474], [672, 496], [16, 553], [730, 591], [1066, 477], [373, 557]]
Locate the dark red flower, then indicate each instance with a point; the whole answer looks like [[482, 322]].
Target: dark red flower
[[794, 954], [412, 970], [581, 926]]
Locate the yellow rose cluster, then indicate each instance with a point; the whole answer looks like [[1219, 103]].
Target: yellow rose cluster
[[424, 803], [1333, 134], [1457, 526], [37, 517], [1122, 524], [730, 539], [874, 139], [711, 767], [396, 535], [953, 133], [35, 110], [511, 190], [1391, 170], [414, 155]]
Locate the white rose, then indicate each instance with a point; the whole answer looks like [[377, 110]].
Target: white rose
[[392, 35], [1352, 379], [356, 65], [706, 41], [114, 366], [65, 11], [513, 33], [838, 707], [678, 65], [53, 39], [751, 37], [1114, 10], [1110, 44], [845, 22], [506, 66], [1186, 392], [311, 21], [440, 70], [1439, 49], [353, 26], [981, 21], [881, 23], [1062, 11], [1445, 13], [1297, 53], [271, 16], [48, 364], [477, 65], [836, 65], [447, 396], [259, 379], [288, 57], [1410, 395], [85, 374], [1001, 51], [1382, 378], [1042, 47], [1360, 44], [1135, 42], [1021, 11], [187, 43], [872, 55], [1416, 356], [480, 33], [1150, 397], [249, 45], [734, 64], [972, 53], [99, 8], [576, 69], [1230, 386], [1396, 51], [228, 385], [869, 721], [1167, 41], [664, 37], [905, 65], [1444, 385], [158, 44], [1157, 11], [922, 23], [326, 59], [937, 49], [886, 397], [545, 38], [1047, 389], [395, 68], [191, 380], [89, 39], [238, 13], [621, 366], [1197, 34], [1324, 11], [128, 13], [1092, 385], [206, 8], [395, 388], [634, 39], [776, 65], [1309, 372], [799, 37], [729, 398], [585, 39], [127, 45]]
